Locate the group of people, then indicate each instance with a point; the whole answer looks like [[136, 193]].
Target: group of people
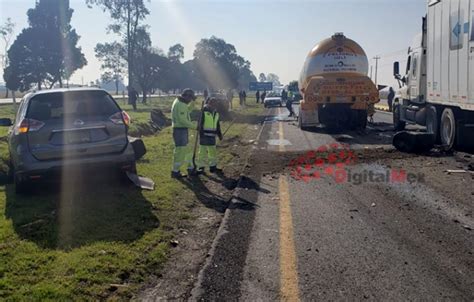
[[260, 96], [208, 129]]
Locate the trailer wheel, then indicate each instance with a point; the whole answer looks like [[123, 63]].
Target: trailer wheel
[[362, 119], [448, 128], [398, 124], [432, 122]]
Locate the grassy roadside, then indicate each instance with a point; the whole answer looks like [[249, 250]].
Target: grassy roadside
[[102, 239]]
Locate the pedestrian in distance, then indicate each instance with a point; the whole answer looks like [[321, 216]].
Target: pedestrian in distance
[[209, 130], [257, 96], [390, 97], [181, 123], [289, 106], [244, 98], [263, 96], [132, 97], [230, 97]]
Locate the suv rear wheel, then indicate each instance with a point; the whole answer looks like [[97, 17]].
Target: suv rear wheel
[[22, 186]]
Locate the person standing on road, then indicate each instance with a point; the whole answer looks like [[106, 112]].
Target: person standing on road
[[209, 129], [284, 95], [257, 96], [289, 104], [244, 98], [132, 97], [181, 122], [262, 97], [390, 97]]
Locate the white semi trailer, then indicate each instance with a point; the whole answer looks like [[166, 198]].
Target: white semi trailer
[[437, 88]]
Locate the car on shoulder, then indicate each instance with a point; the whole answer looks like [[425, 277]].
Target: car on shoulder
[[60, 131], [273, 99]]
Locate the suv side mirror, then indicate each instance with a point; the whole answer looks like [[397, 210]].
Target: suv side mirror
[[396, 68], [5, 122]]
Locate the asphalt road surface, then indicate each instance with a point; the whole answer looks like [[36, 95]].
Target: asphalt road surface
[[290, 238]]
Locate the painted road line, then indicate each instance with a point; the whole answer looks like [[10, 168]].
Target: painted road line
[[281, 135], [289, 290]]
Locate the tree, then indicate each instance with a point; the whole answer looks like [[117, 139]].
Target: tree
[[176, 53], [113, 63], [293, 86], [271, 77], [262, 77], [246, 76], [151, 65], [45, 53], [127, 15], [218, 63], [6, 33]]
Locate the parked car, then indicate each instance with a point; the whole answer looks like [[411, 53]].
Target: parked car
[[64, 129], [273, 99]]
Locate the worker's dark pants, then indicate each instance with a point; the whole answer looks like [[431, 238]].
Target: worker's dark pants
[[390, 104], [289, 106], [134, 104]]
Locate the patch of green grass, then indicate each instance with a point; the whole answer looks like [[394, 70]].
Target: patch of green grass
[[99, 239]]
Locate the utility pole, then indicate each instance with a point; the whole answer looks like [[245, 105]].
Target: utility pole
[[376, 58], [371, 69]]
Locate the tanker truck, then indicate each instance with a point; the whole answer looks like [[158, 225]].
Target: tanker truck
[[336, 90]]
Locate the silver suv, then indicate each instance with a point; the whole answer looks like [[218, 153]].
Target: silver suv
[[66, 130]]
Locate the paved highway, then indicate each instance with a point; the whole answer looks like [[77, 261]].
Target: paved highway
[[317, 239]]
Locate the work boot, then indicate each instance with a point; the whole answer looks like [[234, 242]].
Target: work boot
[[214, 169], [177, 175], [194, 172]]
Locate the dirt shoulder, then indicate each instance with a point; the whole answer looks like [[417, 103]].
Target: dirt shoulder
[[212, 194]]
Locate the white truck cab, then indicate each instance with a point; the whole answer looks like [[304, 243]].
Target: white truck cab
[[437, 87]]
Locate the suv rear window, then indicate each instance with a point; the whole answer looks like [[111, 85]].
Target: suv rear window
[[73, 104]]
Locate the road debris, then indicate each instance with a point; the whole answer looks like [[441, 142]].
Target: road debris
[[141, 182], [413, 142]]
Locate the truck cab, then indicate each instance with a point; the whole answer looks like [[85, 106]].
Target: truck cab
[[436, 89], [410, 102]]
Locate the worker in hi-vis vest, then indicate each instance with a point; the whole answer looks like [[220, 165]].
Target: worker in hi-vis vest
[[209, 129], [181, 123]]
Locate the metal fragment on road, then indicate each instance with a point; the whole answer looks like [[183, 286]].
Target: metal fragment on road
[[141, 182]]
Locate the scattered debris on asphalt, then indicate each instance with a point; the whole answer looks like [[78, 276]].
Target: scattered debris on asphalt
[[413, 142]]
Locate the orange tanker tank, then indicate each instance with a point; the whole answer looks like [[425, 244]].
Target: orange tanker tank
[[335, 87]]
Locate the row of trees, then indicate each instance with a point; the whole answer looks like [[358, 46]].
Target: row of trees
[[46, 54]]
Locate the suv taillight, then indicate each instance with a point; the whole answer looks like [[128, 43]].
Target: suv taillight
[[121, 118], [28, 125]]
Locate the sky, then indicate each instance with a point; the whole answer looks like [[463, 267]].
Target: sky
[[274, 35]]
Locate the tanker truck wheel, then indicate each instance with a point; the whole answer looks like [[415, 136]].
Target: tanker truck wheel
[[362, 116], [358, 120]]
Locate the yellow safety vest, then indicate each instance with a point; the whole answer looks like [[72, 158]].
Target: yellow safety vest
[[209, 124]]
